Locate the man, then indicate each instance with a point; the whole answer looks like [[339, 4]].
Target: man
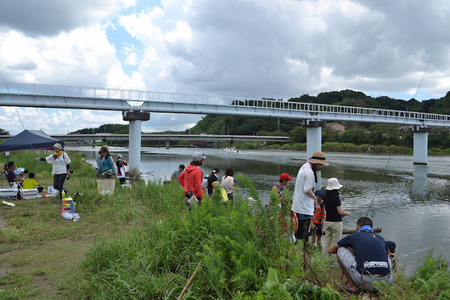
[[366, 261], [304, 200], [177, 173], [279, 188], [11, 173]]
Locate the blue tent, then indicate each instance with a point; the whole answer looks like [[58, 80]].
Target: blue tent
[[29, 140]]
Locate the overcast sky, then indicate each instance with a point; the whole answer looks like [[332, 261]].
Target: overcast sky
[[239, 48]]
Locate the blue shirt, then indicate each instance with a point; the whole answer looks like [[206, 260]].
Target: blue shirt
[[370, 252]]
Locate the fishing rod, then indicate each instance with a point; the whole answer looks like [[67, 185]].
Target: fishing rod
[[392, 151], [23, 126]]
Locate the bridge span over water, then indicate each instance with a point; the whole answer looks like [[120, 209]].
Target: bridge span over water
[[136, 106]]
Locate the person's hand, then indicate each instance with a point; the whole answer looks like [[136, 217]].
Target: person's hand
[[38, 158], [313, 226], [348, 213]]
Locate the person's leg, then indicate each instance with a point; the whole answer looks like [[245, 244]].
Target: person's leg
[[303, 228], [347, 261]]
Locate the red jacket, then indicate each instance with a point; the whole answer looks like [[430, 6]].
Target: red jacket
[[191, 179]]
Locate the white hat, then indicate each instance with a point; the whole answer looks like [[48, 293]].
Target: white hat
[[198, 156], [333, 184]]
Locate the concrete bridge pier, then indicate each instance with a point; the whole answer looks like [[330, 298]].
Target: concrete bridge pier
[[420, 156], [134, 146], [314, 142], [167, 144]]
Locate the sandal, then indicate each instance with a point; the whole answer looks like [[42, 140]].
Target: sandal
[[345, 287]]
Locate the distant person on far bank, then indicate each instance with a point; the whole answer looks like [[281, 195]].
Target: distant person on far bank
[[304, 200], [191, 179], [363, 258], [177, 173], [333, 221], [60, 162]]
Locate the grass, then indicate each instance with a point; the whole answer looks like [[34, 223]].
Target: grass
[[142, 243]]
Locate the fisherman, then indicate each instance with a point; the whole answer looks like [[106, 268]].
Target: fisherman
[[367, 262]]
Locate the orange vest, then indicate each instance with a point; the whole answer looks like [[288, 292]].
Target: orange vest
[[319, 215]]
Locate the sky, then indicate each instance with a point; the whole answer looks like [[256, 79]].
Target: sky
[[232, 48]]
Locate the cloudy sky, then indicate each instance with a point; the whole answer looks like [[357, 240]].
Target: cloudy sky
[[239, 48]]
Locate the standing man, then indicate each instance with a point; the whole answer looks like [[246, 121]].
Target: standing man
[[367, 263], [304, 201]]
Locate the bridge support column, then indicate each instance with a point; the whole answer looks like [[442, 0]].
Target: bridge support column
[[420, 145], [134, 146], [167, 144], [314, 142]]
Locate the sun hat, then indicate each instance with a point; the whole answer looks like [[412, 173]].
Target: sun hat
[[119, 155], [333, 184], [318, 157], [285, 176], [58, 145], [319, 193], [198, 156]]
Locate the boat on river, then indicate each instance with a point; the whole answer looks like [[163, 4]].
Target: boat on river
[[231, 150]]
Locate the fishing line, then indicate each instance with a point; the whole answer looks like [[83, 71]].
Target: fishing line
[[392, 151], [21, 122]]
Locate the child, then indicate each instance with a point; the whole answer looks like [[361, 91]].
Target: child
[[390, 249], [318, 219], [31, 183], [120, 163]]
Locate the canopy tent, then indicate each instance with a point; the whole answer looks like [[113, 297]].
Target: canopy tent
[[28, 140]]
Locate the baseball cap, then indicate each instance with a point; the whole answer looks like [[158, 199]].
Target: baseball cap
[[285, 176], [198, 156]]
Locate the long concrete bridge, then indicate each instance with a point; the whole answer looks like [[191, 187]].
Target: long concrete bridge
[[136, 107]]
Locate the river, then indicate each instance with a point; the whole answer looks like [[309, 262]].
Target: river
[[410, 203]]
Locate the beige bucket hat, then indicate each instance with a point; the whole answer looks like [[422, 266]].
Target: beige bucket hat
[[318, 157]]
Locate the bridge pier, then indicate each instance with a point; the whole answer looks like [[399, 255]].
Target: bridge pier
[[167, 144], [314, 142], [134, 146], [420, 156]]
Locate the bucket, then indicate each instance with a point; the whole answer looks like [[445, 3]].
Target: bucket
[[105, 186]]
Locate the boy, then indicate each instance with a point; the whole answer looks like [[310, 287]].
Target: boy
[[31, 183], [318, 219]]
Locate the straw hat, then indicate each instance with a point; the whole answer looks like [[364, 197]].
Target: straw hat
[[58, 145], [333, 184], [318, 157]]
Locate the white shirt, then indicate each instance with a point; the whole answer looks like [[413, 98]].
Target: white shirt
[[58, 164], [301, 202], [227, 183]]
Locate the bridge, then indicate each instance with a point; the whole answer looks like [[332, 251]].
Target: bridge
[[136, 106]]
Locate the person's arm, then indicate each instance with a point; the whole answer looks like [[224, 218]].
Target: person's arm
[[181, 178], [198, 180], [312, 224], [342, 212], [333, 249]]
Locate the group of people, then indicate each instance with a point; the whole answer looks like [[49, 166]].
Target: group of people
[[106, 167], [196, 184], [365, 257]]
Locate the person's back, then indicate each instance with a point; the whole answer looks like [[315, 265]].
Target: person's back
[[30, 183]]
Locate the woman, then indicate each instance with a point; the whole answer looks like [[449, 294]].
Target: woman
[[60, 167], [333, 220], [211, 179], [105, 164], [228, 182], [191, 179], [304, 200]]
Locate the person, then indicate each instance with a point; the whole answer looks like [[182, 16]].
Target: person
[[121, 163], [105, 164], [177, 173], [60, 162], [11, 175], [228, 182], [205, 183], [333, 221], [318, 219], [390, 251], [31, 183], [279, 189], [367, 262], [304, 200], [211, 179], [191, 179]]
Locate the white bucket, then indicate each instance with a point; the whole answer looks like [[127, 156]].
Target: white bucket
[[106, 186]]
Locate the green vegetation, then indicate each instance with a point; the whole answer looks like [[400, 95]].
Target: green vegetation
[[142, 243]]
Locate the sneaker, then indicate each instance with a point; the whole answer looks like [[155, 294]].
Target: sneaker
[[335, 264]]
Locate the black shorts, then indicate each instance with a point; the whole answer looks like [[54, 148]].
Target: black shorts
[[317, 229]]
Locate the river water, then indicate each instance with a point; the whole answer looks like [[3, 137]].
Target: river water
[[410, 203]]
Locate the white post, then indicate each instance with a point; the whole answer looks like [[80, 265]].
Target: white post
[[134, 161], [420, 145], [314, 143]]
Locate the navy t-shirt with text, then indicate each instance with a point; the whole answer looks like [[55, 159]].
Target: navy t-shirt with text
[[370, 252]]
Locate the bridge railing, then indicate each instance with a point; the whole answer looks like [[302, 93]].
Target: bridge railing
[[166, 97]]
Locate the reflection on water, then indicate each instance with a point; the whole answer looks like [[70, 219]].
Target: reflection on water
[[410, 202]]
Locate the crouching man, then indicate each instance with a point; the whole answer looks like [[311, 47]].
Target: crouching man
[[363, 258]]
